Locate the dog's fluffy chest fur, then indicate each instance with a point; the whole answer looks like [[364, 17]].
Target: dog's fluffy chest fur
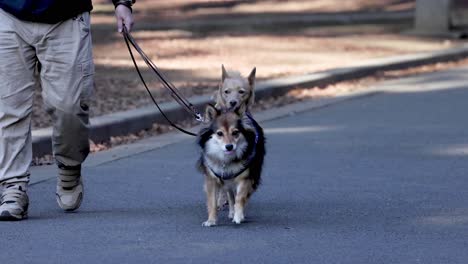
[[225, 170]]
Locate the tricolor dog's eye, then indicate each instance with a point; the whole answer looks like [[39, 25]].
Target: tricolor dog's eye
[[219, 133], [235, 133]]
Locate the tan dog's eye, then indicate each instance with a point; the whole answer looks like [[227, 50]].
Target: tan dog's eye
[[219, 133], [241, 91], [227, 92]]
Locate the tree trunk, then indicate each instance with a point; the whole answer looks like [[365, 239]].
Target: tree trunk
[[432, 16]]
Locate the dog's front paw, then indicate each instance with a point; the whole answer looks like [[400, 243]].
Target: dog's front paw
[[209, 223], [231, 214], [238, 218]]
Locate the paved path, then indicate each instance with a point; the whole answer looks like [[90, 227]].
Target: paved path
[[381, 179]]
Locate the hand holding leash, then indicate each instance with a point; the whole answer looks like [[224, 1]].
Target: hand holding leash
[[124, 17]]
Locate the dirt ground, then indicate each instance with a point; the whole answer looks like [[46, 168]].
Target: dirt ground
[[202, 7], [191, 56]]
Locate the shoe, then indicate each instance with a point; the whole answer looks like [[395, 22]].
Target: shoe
[[69, 192], [14, 204]]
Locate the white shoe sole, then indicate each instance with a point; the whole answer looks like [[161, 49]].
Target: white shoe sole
[[7, 216]]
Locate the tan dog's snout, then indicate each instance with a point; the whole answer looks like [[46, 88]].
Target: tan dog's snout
[[233, 103]]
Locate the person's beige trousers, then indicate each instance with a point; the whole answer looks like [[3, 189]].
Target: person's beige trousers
[[64, 53]]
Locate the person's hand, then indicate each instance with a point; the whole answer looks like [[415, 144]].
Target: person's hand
[[124, 16]]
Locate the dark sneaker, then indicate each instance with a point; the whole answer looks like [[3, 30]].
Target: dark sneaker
[[69, 189]]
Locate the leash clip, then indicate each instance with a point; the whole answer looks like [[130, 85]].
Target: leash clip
[[199, 117]]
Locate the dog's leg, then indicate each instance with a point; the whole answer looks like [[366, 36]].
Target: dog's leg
[[211, 189], [230, 198], [244, 190]]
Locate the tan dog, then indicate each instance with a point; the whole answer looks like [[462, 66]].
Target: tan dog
[[235, 91]]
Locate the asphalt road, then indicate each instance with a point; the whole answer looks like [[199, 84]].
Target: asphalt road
[[381, 179]]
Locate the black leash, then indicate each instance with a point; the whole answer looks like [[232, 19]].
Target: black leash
[[166, 83]]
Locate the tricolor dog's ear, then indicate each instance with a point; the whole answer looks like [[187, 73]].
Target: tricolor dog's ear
[[211, 113], [224, 74]]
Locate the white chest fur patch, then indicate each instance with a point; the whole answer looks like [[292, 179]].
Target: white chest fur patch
[[224, 170]]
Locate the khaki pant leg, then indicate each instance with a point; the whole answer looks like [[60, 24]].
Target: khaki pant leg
[[67, 72], [16, 98]]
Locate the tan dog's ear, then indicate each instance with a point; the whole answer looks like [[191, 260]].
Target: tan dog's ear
[[251, 100], [218, 97], [211, 113], [251, 77], [224, 75]]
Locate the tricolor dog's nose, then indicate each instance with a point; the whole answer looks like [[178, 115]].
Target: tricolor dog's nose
[[229, 147], [233, 103]]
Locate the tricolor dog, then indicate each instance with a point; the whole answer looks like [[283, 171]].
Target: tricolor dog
[[233, 149]]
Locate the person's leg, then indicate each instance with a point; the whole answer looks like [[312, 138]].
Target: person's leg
[[16, 97], [67, 72]]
